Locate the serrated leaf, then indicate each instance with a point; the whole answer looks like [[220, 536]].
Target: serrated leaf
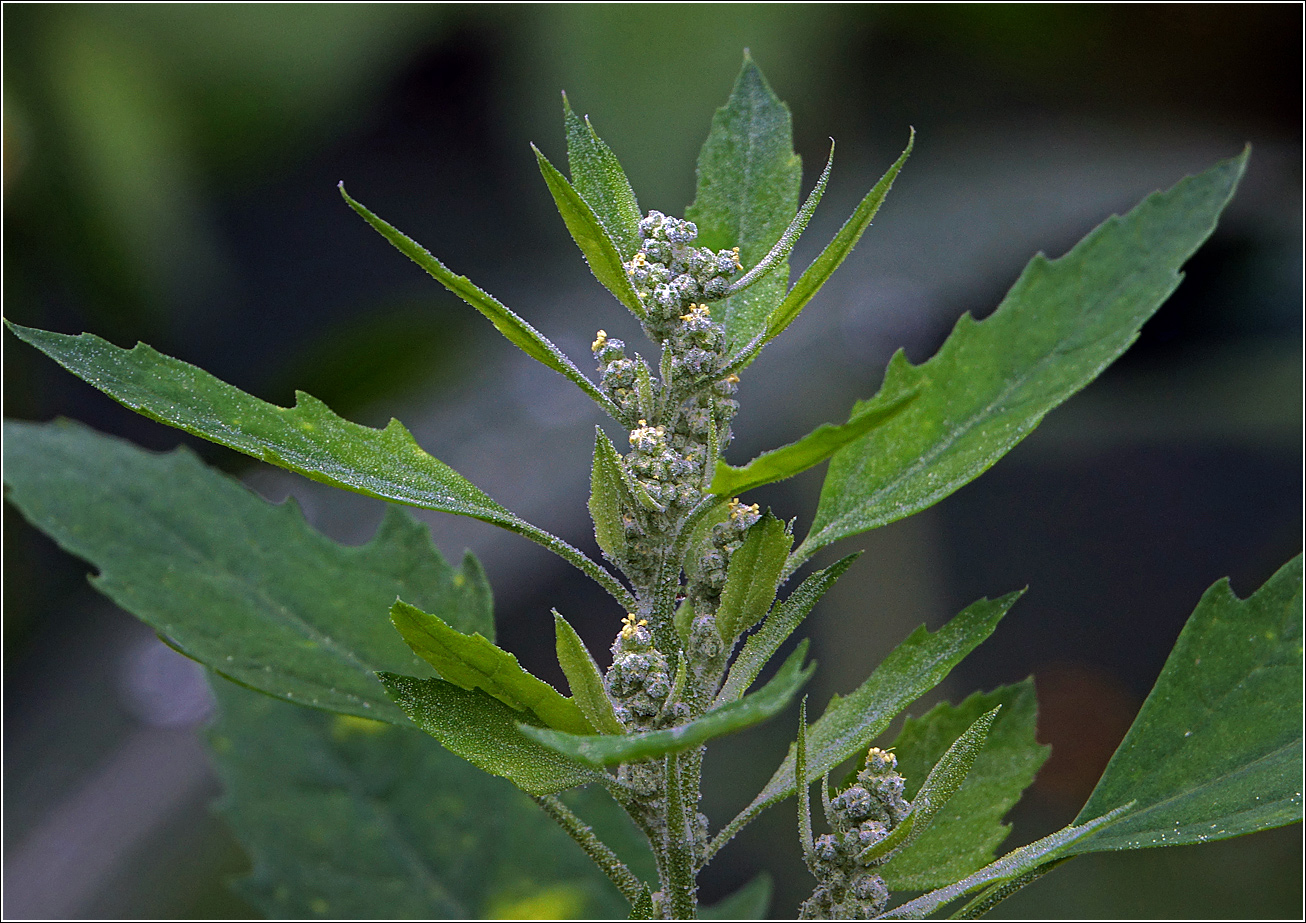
[[345, 818], [518, 331], [484, 731], [851, 722], [584, 678], [1011, 867], [783, 620], [811, 450], [597, 175], [1216, 750], [243, 586], [963, 838], [816, 275], [606, 750], [588, 232], [936, 791], [751, 902], [472, 662], [752, 577], [748, 186], [992, 381], [308, 438]]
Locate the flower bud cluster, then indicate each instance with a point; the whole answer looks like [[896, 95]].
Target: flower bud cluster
[[725, 538], [617, 374], [860, 816], [638, 682], [670, 274]]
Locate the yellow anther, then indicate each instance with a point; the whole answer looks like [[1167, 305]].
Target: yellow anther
[[735, 251], [643, 422], [599, 341], [630, 624], [732, 378]]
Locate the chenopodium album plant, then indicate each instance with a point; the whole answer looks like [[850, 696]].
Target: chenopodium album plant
[[345, 816]]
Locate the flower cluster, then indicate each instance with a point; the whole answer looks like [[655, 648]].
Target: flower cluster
[[671, 275], [638, 681]]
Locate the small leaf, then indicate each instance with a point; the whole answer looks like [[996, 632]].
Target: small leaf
[[811, 450], [609, 498], [1011, 867], [597, 175], [643, 908], [244, 586], [519, 333], [964, 838], [484, 731], [752, 577], [1216, 750], [472, 662], [748, 186], [992, 381], [751, 902], [584, 678], [588, 232], [815, 275], [937, 790], [605, 750], [779, 625]]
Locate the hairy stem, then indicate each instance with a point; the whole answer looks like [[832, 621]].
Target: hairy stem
[[626, 881]]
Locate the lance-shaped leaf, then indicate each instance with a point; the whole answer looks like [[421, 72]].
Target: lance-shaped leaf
[[1013, 866], [584, 678], [308, 438], [811, 450], [1216, 750], [604, 750], [963, 838], [748, 186], [243, 586], [597, 175], [779, 625], [484, 731], [992, 381], [588, 232], [936, 791], [816, 275], [344, 818], [851, 722], [519, 333], [472, 662], [752, 577], [750, 902]]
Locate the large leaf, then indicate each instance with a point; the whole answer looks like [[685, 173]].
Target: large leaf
[[991, 383], [752, 577], [597, 175], [483, 731], [308, 438], [1216, 750], [345, 818], [602, 750], [811, 450], [748, 185], [588, 232], [851, 722], [239, 584], [472, 662], [519, 333], [963, 838]]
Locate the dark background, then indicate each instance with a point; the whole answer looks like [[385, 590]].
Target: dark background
[[169, 176]]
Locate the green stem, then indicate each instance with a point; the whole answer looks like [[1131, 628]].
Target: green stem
[[626, 881], [678, 883], [591, 568]]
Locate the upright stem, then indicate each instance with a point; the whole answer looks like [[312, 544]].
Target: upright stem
[[679, 884]]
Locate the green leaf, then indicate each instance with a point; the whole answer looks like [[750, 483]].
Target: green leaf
[[991, 383], [748, 185], [609, 498], [936, 791], [964, 838], [239, 584], [472, 662], [851, 722], [811, 450], [345, 818], [815, 275], [484, 731], [779, 625], [588, 232], [597, 175], [584, 678], [308, 438], [605, 750], [643, 908], [519, 333], [751, 902], [752, 577], [1012, 867], [1216, 750]]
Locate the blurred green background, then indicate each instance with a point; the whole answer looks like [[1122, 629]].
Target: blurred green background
[[169, 176]]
